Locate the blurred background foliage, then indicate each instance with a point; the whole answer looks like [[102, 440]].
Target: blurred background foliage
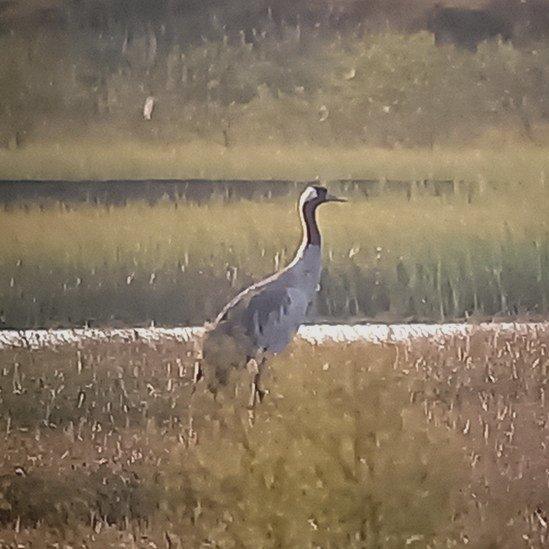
[[328, 72]]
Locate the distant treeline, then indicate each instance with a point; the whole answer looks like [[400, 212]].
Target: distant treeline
[[523, 19], [389, 73]]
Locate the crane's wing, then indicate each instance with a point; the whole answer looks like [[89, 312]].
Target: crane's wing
[[239, 303], [268, 314], [273, 317], [268, 306]]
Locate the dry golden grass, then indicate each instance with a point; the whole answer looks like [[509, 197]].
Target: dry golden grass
[[360, 445]]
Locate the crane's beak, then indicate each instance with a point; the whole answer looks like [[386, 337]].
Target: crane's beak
[[332, 198]]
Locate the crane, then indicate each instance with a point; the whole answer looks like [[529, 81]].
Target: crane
[[262, 320]]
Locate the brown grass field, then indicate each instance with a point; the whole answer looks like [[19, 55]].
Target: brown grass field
[[360, 445]]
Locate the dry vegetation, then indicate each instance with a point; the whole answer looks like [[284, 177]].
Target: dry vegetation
[[236, 91], [423, 444]]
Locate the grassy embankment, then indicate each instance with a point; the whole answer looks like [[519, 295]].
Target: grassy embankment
[[359, 445], [118, 158]]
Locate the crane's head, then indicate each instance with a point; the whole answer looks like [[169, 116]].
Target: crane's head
[[315, 195]]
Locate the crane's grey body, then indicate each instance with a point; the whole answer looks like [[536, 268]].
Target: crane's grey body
[[271, 311], [263, 319]]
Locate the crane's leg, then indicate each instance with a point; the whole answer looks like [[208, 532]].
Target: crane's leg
[[197, 375], [257, 392], [260, 390]]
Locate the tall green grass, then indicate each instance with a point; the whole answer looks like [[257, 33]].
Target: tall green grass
[[388, 258]]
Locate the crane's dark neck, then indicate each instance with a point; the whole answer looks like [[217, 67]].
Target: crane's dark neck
[[311, 234]]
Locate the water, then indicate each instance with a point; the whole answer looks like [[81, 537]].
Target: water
[[315, 334], [201, 191]]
